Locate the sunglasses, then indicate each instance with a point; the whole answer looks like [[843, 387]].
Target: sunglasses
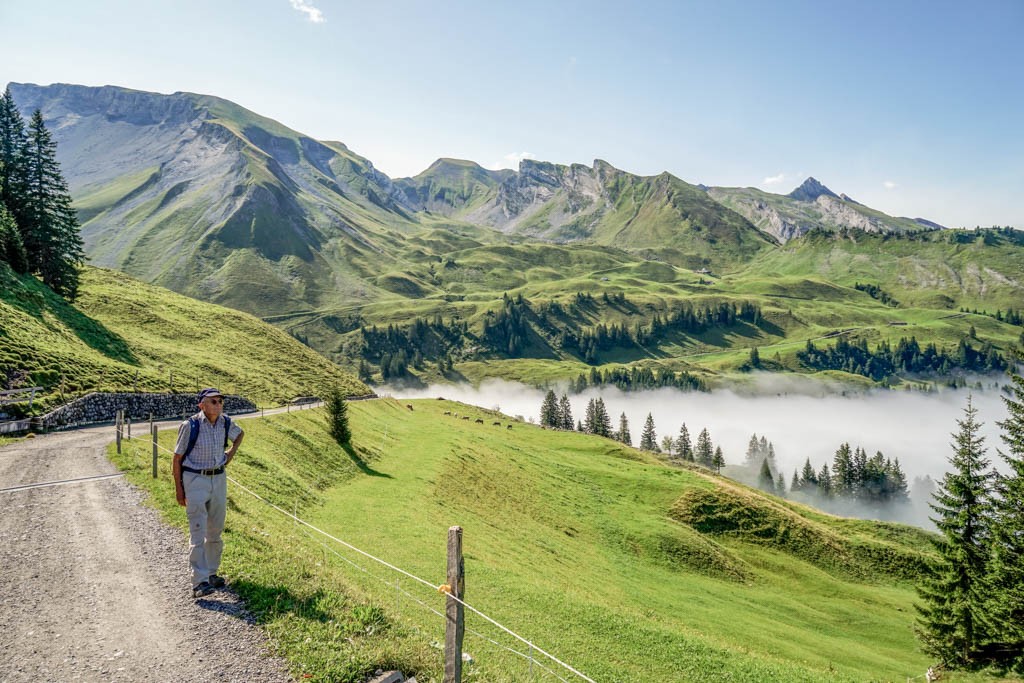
[[216, 401]]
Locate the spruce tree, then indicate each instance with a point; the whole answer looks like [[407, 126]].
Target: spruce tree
[[718, 460], [602, 420], [842, 472], [13, 144], [950, 616], [683, 445], [825, 482], [648, 439], [808, 478], [590, 417], [623, 433], [50, 230], [337, 416], [12, 250], [765, 481], [705, 452], [565, 413], [1006, 569], [549, 411]]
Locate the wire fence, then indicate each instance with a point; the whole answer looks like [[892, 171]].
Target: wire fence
[[536, 658]]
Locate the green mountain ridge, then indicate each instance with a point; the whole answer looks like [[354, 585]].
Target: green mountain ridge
[[204, 197]]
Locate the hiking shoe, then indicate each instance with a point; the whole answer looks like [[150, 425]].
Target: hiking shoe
[[202, 589], [216, 581]]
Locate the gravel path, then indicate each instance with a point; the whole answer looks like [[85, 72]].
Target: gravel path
[[94, 587]]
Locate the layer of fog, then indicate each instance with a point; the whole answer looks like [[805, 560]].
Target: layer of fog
[[913, 426]]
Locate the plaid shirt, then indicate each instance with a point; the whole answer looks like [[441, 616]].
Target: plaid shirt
[[208, 452]]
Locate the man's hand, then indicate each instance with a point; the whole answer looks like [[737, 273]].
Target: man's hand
[[180, 494]]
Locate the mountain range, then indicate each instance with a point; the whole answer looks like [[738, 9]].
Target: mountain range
[[190, 191], [201, 196]]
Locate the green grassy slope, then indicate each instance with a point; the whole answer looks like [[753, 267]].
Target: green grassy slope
[[626, 568], [123, 334]]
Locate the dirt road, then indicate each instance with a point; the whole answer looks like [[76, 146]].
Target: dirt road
[[94, 587]]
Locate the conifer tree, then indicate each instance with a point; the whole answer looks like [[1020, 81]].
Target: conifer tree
[[565, 413], [50, 229], [683, 445], [753, 451], [796, 485], [648, 439], [590, 417], [765, 481], [951, 613], [12, 250], [623, 433], [13, 143], [705, 452], [808, 478], [549, 416], [337, 416], [718, 460], [1006, 569], [825, 482], [602, 420], [842, 471]]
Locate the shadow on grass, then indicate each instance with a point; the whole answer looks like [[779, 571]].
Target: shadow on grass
[[361, 463], [262, 603], [28, 295]]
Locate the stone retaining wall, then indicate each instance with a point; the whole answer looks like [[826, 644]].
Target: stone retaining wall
[[97, 407]]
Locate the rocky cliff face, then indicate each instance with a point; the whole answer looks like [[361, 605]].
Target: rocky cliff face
[[808, 207]]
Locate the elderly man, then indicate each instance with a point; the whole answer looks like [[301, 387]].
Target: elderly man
[[201, 485]]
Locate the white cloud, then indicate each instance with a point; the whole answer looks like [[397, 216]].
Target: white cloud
[[512, 160], [775, 179], [889, 185], [312, 13]]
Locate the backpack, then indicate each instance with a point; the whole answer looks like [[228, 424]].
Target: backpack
[[193, 433]]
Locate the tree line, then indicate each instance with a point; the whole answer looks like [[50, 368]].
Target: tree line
[[39, 230], [971, 610], [556, 413], [885, 361]]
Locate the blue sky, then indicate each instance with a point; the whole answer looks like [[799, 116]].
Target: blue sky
[[914, 108]]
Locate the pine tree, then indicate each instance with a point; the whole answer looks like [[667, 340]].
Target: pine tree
[[648, 439], [754, 453], [623, 433], [718, 460], [950, 621], [565, 413], [1006, 570], [50, 229], [337, 416], [765, 481], [549, 416], [808, 478], [683, 445], [705, 452], [796, 485]]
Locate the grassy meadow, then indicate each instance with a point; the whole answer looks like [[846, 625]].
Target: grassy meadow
[[625, 567], [123, 335]]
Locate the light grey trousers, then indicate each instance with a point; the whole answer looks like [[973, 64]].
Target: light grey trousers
[[206, 506]]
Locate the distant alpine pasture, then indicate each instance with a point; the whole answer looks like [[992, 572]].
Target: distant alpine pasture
[[550, 273]]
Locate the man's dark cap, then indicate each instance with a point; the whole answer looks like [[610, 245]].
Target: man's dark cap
[[206, 393]]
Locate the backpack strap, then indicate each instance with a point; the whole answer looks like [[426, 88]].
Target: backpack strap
[[227, 430], [193, 435]]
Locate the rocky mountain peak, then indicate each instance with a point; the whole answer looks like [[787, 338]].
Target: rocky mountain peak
[[810, 190]]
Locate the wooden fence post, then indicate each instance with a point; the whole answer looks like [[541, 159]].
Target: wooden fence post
[[152, 431], [128, 421], [117, 430], [455, 626]]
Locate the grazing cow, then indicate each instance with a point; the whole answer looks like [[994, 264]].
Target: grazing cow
[[465, 417], [479, 421], [409, 406], [495, 424], [447, 412], [508, 427]]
